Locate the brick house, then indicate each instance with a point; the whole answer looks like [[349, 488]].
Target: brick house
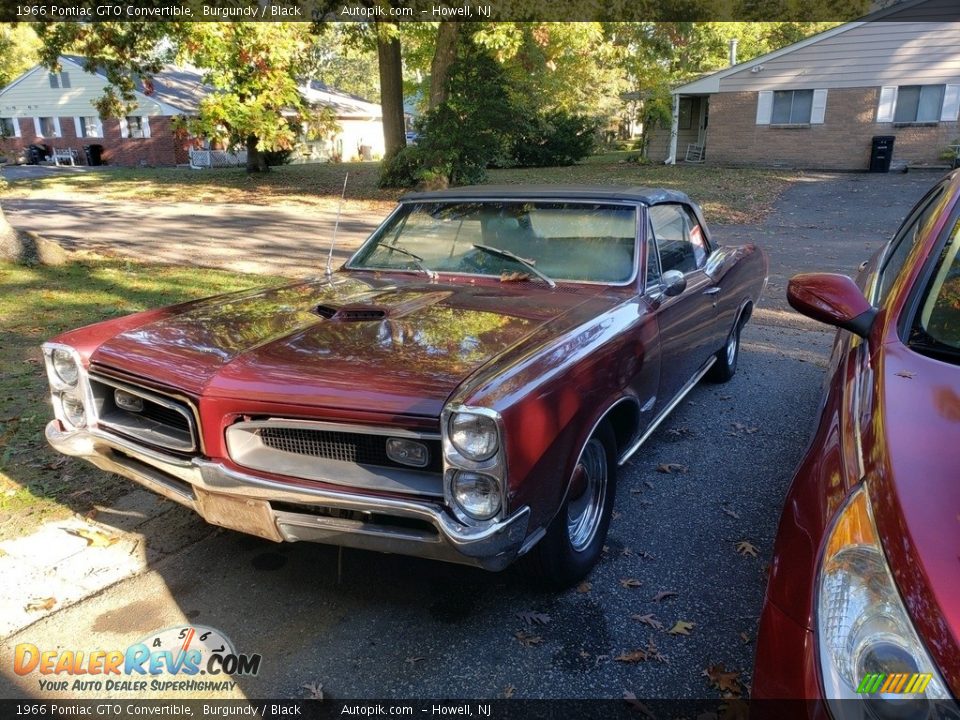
[[56, 110], [818, 103]]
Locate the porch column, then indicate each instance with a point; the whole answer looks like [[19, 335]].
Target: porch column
[[674, 130]]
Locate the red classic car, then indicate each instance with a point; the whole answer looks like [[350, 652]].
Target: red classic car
[[463, 388], [863, 599]]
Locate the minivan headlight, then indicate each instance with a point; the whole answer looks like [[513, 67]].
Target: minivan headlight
[[868, 647]]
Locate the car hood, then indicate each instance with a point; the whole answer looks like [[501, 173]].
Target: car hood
[[915, 491], [353, 342]]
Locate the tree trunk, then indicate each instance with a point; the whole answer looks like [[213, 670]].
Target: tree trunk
[[448, 37], [256, 159], [391, 92]]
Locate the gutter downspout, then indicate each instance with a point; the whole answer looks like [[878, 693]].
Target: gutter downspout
[[674, 130]]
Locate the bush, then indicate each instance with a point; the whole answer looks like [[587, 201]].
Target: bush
[[556, 138], [402, 169]]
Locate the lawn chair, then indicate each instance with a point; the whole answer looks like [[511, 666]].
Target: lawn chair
[[64, 156], [695, 153]]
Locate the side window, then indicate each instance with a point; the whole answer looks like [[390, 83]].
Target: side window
[[680, 249], [653, 259], [902, 243]]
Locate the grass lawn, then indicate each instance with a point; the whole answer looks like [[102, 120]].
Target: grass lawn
[[727, 195], [36, 303]]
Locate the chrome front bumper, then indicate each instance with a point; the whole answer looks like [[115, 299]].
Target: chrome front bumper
[[247, 503]]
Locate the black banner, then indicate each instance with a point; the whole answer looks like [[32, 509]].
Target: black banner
[[477, 10]]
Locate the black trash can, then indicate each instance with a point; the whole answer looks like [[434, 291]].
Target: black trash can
[[94, 154], [881, 153], [36, 154]]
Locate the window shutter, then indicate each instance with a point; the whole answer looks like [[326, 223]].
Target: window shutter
[[36, 127], [57, 132], [819, 108], [64, 80], [16, 126], [77, 129], [951, 104], [54, 81], [764, 107], [888, 104], [146, 126], [124, 128]]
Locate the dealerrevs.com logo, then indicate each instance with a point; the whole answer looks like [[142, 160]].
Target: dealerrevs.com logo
[[190, 658]]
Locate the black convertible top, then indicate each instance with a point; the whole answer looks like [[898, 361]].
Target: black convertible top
[[646, 196]]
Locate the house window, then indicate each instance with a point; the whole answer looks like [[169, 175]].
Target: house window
[[792, 107], [137, 127], [9, 128], [47, 127], [89, 127], [919, 103], [685, 118], [59, 80]]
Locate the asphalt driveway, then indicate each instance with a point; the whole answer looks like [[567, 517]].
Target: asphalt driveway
[[370, 625]]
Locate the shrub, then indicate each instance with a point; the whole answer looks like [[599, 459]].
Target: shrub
[[402, 169], [556, 138]]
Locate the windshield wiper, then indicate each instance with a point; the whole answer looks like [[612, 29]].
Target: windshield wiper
[[516, 258], [417, 260]]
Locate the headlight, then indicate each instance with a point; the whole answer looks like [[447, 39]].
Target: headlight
[[477, 495], [864, 629], [65, 367], [474, 436], [73, 410]]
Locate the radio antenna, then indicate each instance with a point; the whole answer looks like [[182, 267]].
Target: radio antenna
[[333, 240]]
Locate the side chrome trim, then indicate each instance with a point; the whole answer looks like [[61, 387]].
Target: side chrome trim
[[666, 411]]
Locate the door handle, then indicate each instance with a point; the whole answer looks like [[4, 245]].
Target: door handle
[[712, 290]]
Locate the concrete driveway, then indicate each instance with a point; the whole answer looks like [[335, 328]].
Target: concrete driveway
[[370, 625]]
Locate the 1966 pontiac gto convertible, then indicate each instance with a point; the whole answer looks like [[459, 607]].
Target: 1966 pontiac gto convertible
[[463, 388]]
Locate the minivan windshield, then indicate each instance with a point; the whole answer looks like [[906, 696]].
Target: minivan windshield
[[536, 240]]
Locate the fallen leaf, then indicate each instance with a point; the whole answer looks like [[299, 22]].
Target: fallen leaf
[[724, 680], [527, 639], [616, 515], [745, 547], [664, 594], [415, 660], [584, 587], [634, 656], [731, 513], [508, 691], [630, 583], [906, 374], [682, 627], [514, 277], [584, 654], [91, 513], [40, 604], [670, 468], [533, 618], [626, 552], [648, 484], [94, 538], [630, 699], [315, 690], [648, 620], [745, 637]]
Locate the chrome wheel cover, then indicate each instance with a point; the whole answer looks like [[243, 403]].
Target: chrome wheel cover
[[585, 509]]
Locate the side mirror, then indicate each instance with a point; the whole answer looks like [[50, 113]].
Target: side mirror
[[674, 282], [832, 299]]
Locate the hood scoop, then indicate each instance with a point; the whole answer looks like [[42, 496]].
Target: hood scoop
[[351, 313], [392, 305]]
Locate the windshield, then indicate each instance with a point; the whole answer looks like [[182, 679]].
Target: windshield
[[586, 242], [936, 329]]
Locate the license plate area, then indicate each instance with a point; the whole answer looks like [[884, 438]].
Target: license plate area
[[237, 513]]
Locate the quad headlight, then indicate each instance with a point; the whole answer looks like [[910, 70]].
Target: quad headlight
[[478, 495], [65, 367], [864, 629], [473, 435]]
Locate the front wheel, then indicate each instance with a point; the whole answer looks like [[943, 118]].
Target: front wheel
[[575, 538], [725, 366]]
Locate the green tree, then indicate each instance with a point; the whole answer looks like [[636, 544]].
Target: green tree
[[19, 51]]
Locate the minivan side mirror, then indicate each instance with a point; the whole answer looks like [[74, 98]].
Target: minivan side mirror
[[832, 299]]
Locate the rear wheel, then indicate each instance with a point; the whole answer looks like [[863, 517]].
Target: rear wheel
[[725, 366], [575, 538]]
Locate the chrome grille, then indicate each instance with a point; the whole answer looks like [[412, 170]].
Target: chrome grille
[[164, 422], [349, 447]]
